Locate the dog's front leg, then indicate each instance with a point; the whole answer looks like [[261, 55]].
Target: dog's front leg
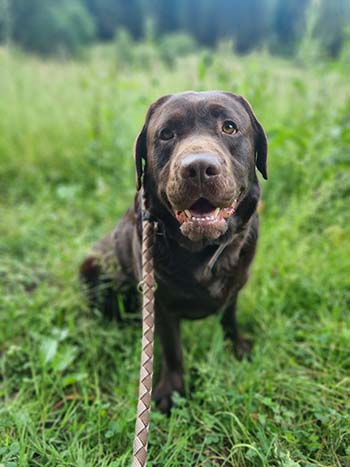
[[171, 378], [241, 346]]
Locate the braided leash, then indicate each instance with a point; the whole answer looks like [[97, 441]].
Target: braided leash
[[148, 284], [146, 370]]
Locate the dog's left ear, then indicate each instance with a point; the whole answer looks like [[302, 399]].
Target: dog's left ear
[[260, 139], [140, 146]]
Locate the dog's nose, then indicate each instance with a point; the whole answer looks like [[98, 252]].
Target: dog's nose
[[200, 167]]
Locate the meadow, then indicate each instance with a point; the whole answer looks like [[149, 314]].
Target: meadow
[[68, 384]]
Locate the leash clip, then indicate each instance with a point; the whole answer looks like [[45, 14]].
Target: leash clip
[[140, 287], [146, 216]]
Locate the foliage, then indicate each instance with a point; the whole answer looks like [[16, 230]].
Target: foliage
[[68, 384], [50, 26], [175, 45], [168, 48], [46, 26], [333, 26], [4, 20], [289, 25], [110, 14]]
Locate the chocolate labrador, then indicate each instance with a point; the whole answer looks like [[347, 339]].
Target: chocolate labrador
[[196, 156]]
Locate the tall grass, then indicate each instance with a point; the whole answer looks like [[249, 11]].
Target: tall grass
[[69, 380]]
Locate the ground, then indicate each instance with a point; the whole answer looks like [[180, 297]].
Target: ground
[[69, 379]]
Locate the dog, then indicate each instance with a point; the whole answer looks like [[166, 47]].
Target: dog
[[196, 157]]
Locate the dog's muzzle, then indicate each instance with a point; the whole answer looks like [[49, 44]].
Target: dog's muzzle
[[206, 200]]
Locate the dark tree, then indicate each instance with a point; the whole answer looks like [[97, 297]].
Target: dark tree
[[110, 14], [288, 25], [165, 15], [333, 26], [51, 26]]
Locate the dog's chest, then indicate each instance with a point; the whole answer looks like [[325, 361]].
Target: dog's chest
[[187, 286]]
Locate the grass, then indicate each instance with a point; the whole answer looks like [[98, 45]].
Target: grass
[[69, 380]]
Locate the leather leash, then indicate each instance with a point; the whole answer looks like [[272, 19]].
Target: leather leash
[[146, 370], [147, 287]]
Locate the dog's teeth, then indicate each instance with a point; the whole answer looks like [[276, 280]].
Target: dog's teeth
[[188, 213], [206, 218], [217, 210]]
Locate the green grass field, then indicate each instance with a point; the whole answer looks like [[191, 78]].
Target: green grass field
[[68, 384]]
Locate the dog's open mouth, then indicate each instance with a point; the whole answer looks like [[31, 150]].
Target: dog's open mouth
[[203, 213]]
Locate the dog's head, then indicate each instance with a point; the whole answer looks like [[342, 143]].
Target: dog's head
[[197, 152]]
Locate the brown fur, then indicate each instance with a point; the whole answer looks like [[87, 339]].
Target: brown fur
[[186, 289]]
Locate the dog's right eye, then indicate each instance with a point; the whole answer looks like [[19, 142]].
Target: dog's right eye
[[166, 134]]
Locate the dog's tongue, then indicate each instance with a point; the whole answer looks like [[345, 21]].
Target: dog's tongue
[[201, 206]]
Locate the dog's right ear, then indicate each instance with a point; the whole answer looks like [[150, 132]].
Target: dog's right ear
[[140, 155], [140, 146]]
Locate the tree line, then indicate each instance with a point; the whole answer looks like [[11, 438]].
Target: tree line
[[65, 26]]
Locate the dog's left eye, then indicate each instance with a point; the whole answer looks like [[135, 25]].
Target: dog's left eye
[[229, 127], [166, 134]]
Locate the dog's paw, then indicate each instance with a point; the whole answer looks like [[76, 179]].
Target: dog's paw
[[242, 348], [163, 401], [163, 393]]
